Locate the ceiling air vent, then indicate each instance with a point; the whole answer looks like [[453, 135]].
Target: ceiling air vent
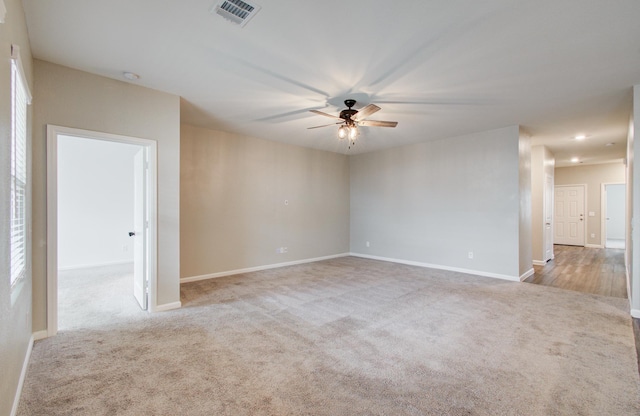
[[236, 11]]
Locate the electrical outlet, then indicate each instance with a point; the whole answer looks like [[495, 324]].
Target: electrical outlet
[[471, 254], [593, 235], [285, 249], [368, 245]]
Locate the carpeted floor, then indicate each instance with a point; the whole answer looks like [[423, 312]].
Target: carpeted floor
[[95, 296], [347, 337]]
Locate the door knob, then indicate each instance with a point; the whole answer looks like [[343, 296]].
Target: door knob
[[131, 233]]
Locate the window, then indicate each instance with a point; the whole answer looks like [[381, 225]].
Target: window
[[20, 98], [3, 11]]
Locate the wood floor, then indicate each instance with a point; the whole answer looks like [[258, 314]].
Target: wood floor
[[590, 270]]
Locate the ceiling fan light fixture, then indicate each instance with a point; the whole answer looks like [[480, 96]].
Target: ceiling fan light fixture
[[353, 132], [350, 119], [343, 131]]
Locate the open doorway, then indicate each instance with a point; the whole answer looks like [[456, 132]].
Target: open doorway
[[95, 213], [596, 266], [614, 222], [100, 227]]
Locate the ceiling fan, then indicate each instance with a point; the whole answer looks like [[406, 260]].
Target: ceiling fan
[[350, 119]]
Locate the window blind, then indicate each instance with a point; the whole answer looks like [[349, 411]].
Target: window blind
[[20, 98]]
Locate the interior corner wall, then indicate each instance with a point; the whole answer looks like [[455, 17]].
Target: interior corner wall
[[77, 99], [593, 176], [633, 207], [434, 202], [524, 225], [15, 303], [242, 199]]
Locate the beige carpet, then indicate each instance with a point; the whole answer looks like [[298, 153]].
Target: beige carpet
[[347, 337], [95, 296]]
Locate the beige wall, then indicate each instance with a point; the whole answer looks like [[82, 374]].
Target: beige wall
[[232, 202], [593, 176], [542, 164], [71, 98], [524, 199], [434, 202], [15, 305]]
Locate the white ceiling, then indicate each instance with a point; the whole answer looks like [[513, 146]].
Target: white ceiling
[[440, 68]]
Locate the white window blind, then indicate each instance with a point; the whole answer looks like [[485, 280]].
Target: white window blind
[[20, 99], [3, 11]]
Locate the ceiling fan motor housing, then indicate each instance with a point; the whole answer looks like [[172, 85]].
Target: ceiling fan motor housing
[[347, 114]]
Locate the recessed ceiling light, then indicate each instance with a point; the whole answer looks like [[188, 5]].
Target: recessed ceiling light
[[130, 76], [575, 159], [580, 137]]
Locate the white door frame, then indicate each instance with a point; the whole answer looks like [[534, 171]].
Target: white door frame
[[53, 132], [548, 195], [603, 211]]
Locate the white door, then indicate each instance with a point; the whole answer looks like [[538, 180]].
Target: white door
[[569, 215], [548, 218], [140, 229]]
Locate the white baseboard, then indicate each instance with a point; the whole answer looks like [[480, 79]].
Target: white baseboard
[[594, 246], [527, 274], [166, 307], [38, 335], [635, 313], [23, 375], [258, 268], [539, 263], [439, 267], [91, 266]]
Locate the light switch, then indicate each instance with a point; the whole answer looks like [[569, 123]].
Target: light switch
[[592, 214]]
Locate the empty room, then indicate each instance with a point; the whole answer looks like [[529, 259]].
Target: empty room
[[321, 208]]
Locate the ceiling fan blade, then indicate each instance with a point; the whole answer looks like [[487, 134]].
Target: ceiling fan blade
[[440, 102], [366, 112], [377, 123], [283, 116], [324, 125], [325, 114]]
